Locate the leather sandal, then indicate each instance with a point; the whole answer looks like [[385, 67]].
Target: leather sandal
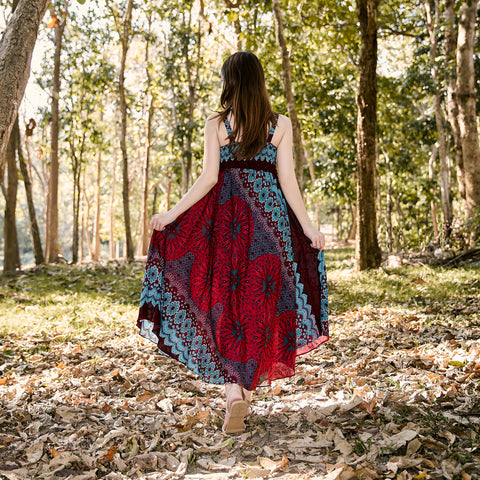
[[238, 403]]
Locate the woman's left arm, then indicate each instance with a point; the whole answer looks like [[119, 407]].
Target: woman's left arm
[[205, 182], [289, 184]]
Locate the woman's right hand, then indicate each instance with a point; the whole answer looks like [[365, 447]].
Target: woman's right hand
[[161, 220]]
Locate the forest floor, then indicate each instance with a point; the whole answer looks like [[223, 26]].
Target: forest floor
[[393, 394]]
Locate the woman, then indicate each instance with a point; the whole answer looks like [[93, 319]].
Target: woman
[[235, 285]]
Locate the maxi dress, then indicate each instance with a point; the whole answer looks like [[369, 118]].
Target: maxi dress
[[232, 288]]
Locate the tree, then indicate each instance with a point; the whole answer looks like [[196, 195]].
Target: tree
[[16, 48], [52, 247], [368, 253], [433, 24], [27, 181], [452, 101], [11, 255], [124, 30], [144, 242], [235, 15], [467, 118], [287, 80]]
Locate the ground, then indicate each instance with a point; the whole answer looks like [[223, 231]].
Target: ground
[[393, 394]]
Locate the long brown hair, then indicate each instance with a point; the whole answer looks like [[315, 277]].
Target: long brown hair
[[245, 95]]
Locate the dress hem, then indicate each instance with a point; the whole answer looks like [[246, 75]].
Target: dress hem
[[300, 351]]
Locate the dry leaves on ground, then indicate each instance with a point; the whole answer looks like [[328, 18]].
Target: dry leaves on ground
[[391, 395]]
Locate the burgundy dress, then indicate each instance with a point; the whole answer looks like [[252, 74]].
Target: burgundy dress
[[232, 287]]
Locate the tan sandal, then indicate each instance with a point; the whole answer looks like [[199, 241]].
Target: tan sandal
[[237, 408]]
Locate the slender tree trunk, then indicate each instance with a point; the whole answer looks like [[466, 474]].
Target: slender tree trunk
[[76, 154], [16, 48], [452, 103], [169, 191], [76, 170], [145, 229], [98, 201], [125, 40], [287, 81], [52, 247], [27, 182], [11, 256], [466, 107], [236, 23], [144, 242], [193, 72], [311, 168], [82, 242], [368, 253], [431, 177], [433, 24], [96, 238], [86, 227], [352, 233], [112, 206], [379, 206], [389, 205]]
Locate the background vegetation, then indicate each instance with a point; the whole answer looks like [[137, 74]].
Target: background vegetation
[[138, 79]]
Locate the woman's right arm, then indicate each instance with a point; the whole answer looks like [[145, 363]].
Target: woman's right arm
[[205, 182]]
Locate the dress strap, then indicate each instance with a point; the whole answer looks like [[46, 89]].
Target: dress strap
[[227, 126], [272, 128]]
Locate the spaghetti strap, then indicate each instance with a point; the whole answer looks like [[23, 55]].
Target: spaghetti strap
[[227, 126], [272, 129]]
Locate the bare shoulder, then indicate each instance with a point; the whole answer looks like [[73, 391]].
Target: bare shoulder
[[212, 120], [283, 122], [284, 125], [212, 124]]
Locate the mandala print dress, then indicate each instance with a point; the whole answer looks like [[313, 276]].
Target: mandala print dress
[[232, 287]]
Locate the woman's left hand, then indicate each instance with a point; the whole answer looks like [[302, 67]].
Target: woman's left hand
[[161, 220], [317, 238]]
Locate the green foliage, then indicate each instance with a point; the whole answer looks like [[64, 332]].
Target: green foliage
[[323, 40]]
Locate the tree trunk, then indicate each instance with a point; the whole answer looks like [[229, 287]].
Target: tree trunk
[[236, 23], [388, 206], [125, 39], [144, 242], [193, 72], [145, 237], [399, 237], [379, 206], [86, 227], [16, 48], [467, 118], [11, 256], [27, 182], [96, 238], [433, 207], [98, 201], [112, 206], [287, 81], [433, 24], [52, 247], [352, 232], [368, 253], [76, 158], [452, 102]]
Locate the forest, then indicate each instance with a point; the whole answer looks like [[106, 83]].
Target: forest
[[111, 129], [102, 111]]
